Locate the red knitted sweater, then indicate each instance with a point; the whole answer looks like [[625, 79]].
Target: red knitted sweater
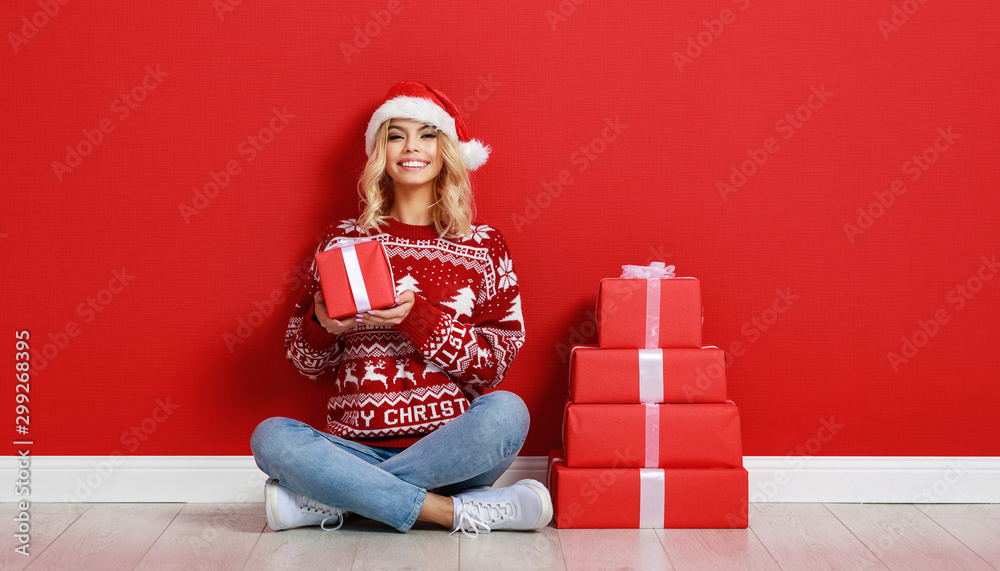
[[392, 385]]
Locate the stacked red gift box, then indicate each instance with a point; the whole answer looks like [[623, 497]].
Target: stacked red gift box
[[649, 439]]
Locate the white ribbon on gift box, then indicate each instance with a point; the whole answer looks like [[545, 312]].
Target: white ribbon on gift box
[[354, 275], [652, 455], [565, 423], [654, 270], [650, 375], [652, 498], [548, 473], [652, 313], [356, 279], [652, 485]]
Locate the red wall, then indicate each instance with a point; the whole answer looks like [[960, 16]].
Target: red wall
[[836, 100]]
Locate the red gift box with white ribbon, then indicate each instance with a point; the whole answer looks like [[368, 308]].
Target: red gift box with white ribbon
[[647, 375], [647, 498], [649, 313], [652, 435], [355, 276]]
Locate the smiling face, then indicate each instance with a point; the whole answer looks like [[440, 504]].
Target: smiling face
[[412, 159]]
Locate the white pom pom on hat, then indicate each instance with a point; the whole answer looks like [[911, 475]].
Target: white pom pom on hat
[[421, 102]]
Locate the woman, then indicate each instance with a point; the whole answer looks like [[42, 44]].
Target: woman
[[410, 435]]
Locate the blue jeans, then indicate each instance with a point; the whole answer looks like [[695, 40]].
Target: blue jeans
[[390, 484]]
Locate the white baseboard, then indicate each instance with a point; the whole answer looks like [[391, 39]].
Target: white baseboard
[[229, 479], [874, 479]]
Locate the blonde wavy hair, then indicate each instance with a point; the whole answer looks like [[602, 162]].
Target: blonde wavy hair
[[452, 210]]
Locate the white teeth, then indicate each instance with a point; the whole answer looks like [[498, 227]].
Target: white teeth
[[413, 164]]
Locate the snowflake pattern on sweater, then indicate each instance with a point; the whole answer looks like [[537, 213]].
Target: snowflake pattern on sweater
[[392, 385]]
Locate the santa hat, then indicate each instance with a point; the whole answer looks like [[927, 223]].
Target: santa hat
[[420, 102]]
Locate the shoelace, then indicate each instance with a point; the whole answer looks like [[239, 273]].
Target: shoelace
[[310, 505], [480, 516]]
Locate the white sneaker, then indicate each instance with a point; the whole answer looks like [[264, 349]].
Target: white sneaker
[[287, 509], [526, 505]]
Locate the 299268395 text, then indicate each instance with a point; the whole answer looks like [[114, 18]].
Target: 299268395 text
[[22, 422]]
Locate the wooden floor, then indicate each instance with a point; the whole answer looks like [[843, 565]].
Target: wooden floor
[[236, 536]]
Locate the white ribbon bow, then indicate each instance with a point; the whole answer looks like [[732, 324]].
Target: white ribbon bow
[[653, 270]]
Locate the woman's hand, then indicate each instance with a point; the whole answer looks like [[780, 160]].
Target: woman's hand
[[336, 326], [392, 316]]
